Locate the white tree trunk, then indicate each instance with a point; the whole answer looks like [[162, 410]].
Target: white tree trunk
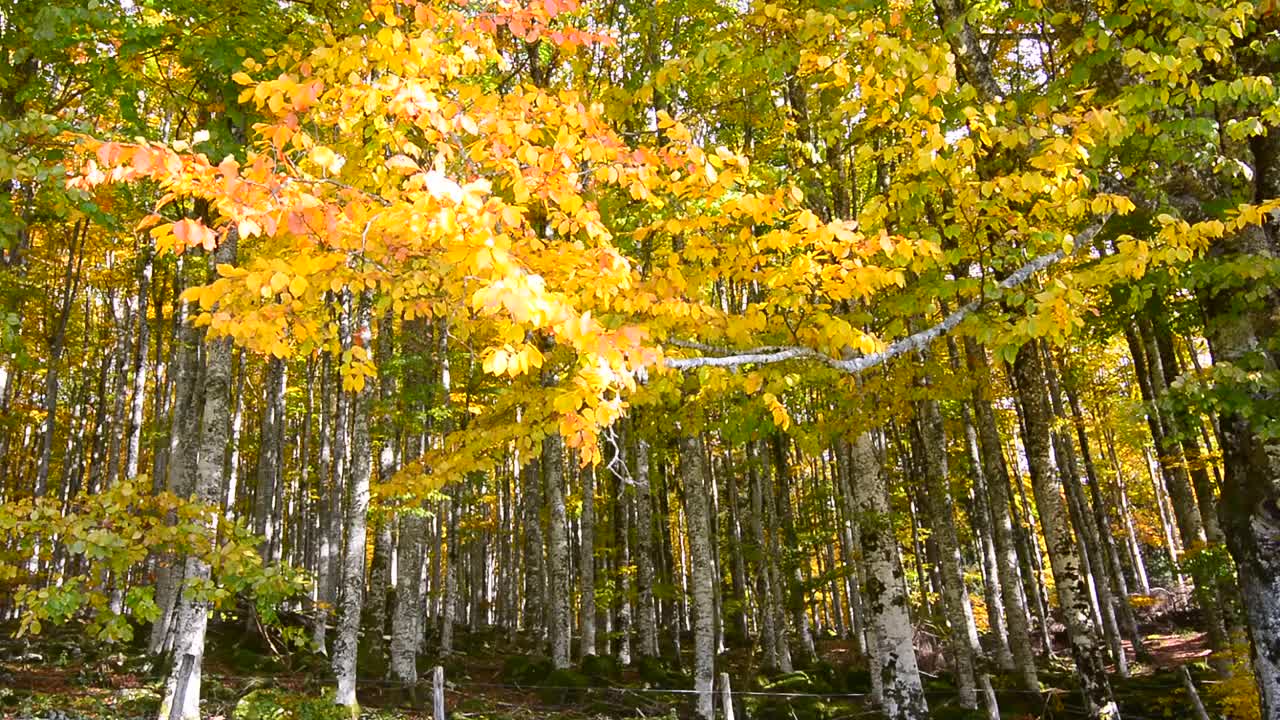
[[647, 618], [887, 602], [351, 601], [1073, 594], [963, 636], [406, 618], [587, 566], [561, 625], [702, 567], [182, 687]]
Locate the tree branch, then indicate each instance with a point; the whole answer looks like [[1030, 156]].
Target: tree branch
[[727, 358]]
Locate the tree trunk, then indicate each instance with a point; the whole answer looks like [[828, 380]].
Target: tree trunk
[[265, 503], [346, 642], [535, 575], [647, 618], [137, 406], [181, 468], [561, 620], [887, 602], [702, 562], [1249, 508], [963, 638], [182, 687], [587, 566], [1072, 591], [764, 575], [795, 595]]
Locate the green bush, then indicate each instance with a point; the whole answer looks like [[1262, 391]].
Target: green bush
[[564, 686], [274, 705], [601, 669], [525, 669]]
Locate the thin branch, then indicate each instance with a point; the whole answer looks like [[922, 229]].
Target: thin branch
[[916, 341]]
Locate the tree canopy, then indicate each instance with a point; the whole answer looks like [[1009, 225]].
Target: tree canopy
[[605, 322]]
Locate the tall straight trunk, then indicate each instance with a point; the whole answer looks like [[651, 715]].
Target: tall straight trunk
[[587, 566], [670, 616], [985, 525], [702, 567], [624, 520], [453, 558], [535, 576], [351, 599], [777, 573], [231, 484], [181, 467], [763, 567], [133, 449], [409, 610], [380, 568], [327, 541], [270, 457], [1184, 427], [1083, 520], [57, 345], [887, 602], [182, 687], [1249, 508], [738, 568], [963, 638], [646, 613], [124, 319], [1119, 589], [795, 595], [1068, 578], [560, 625], [851, 545]]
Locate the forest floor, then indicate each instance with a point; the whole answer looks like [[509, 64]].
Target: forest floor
[[60, 676]]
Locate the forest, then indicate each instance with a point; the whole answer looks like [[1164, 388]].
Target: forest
[[769, 359]]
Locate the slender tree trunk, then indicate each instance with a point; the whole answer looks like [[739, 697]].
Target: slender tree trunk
[[182, 687], [351, 600], [764, 576], [887, 603], [561, 620], [983, 526], [963, 635], [795, 595], [645, 579], [778, 602], [137, 406], [181, 468], [1069, 580], [269, 459], [702, 561], [587, 566], [535, 576], [328, 503]]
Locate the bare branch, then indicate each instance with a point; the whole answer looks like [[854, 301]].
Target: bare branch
[[727, 358]]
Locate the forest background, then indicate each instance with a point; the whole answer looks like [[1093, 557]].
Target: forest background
[[679, 333]]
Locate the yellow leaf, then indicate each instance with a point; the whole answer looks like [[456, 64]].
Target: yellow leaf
[[279, 281]]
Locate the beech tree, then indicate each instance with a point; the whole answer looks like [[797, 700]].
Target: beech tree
[[615, 326]]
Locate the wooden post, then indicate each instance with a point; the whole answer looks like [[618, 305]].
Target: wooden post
[[726, 696], [437, 693]]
